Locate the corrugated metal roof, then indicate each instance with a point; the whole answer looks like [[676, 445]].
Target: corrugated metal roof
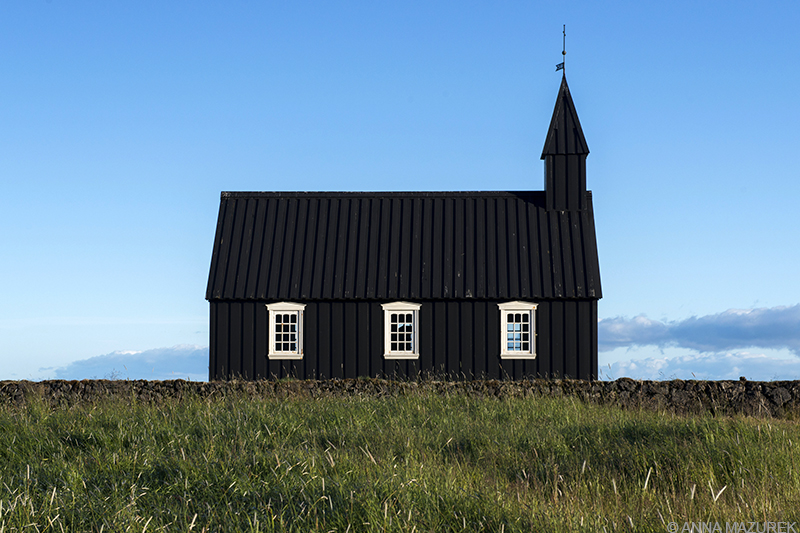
[[401, 245]]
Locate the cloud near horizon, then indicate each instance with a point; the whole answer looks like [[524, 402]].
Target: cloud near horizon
[[734, 329], [178, 362], [712, 366]]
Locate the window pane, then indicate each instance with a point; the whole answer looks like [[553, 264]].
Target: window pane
[[286, 332], [401, 332], [525, 317]]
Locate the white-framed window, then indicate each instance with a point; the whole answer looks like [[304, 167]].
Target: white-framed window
[[401, 330], [285, 330], [517, 330]]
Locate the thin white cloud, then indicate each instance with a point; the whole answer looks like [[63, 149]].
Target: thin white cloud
[[707, 366], [734, 329], [177, 362]]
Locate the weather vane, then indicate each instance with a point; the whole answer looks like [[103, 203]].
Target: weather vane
[[560, 66]]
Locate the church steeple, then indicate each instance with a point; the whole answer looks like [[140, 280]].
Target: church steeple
[[564, 155]]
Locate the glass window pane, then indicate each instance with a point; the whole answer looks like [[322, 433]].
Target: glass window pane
[[401, 332]]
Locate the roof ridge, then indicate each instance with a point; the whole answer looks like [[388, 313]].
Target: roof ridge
[[372, 194]]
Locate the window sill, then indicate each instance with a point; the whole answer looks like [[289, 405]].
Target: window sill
[[285, 356], [518, 356], [400, 356]]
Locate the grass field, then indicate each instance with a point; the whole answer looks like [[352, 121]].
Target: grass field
[[418, 463]]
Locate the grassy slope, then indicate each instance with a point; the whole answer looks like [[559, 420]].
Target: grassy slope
[[424, 463]]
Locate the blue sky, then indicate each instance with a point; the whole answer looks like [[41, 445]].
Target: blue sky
[[122, 121]]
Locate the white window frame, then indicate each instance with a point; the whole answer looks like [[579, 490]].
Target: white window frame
[[517, 307], [401, 307], [283, 308]]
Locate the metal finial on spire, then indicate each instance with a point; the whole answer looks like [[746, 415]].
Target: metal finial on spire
[[560, 66]]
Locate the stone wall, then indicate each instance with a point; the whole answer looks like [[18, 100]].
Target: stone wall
[[753, 398]]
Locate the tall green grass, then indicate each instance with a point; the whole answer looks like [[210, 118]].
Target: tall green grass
[[419, 463]]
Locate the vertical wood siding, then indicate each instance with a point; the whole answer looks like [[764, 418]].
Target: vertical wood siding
[[457, 340]]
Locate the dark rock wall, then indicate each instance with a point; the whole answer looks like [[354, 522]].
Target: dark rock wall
[[752, 398]]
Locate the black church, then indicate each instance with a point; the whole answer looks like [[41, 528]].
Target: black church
[[462, 285]]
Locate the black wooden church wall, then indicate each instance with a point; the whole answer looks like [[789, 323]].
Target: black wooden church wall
[[457, 340]]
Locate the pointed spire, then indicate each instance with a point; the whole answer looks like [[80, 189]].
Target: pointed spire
[[564, 156], [565, 136]]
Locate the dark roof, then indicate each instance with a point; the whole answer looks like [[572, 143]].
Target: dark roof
[[401, 246], [565, 135]]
